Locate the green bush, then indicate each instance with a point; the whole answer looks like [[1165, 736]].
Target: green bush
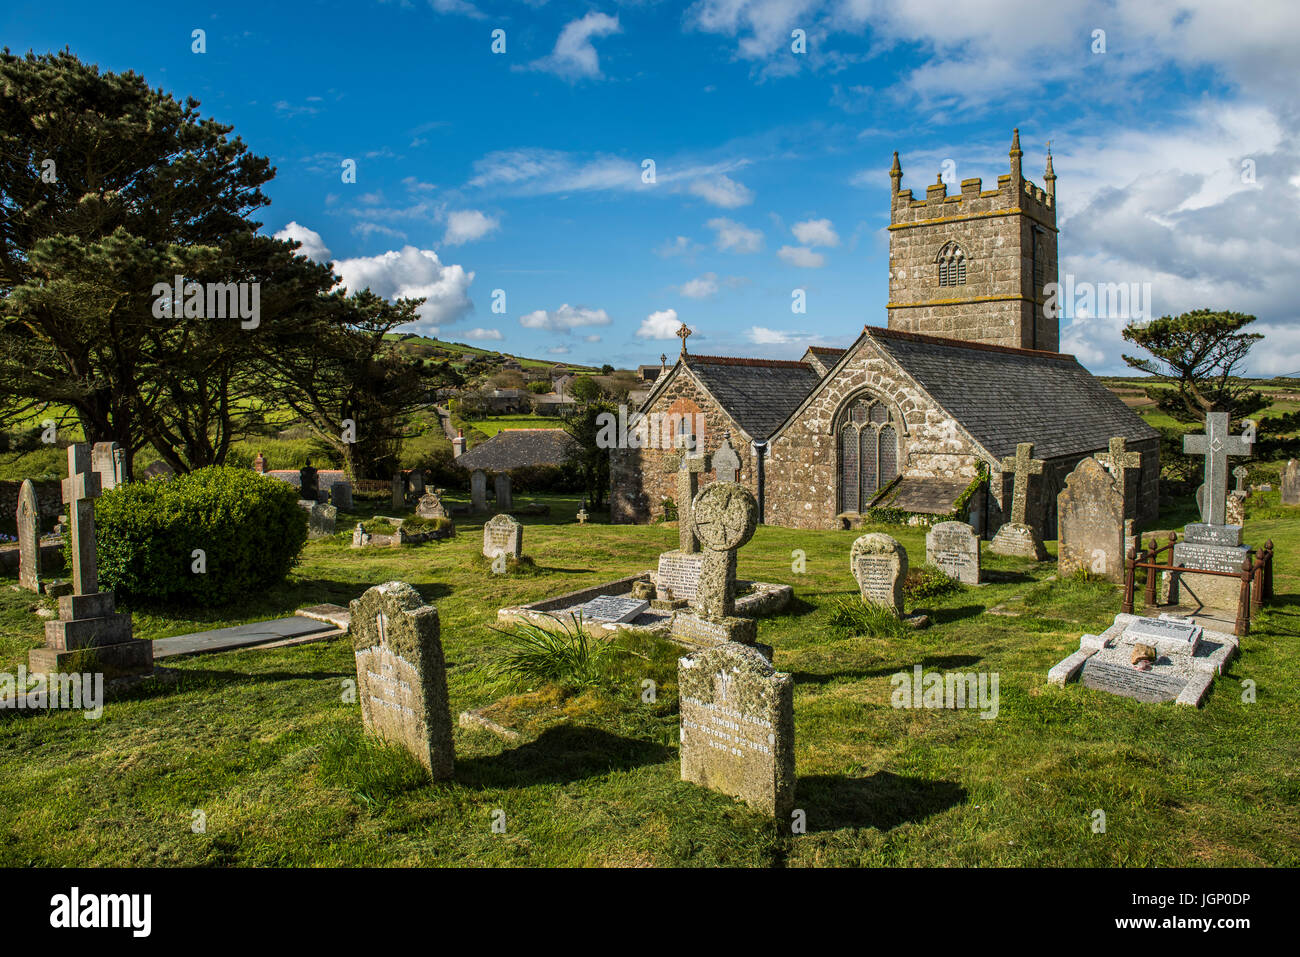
[[928, 581], [851, 617], [249, 527]]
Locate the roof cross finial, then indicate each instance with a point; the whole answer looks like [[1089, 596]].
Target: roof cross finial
[[682, 333]]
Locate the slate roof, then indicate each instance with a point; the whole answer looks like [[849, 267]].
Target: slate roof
[[930, 496], [759, 394], [519, 448], [1003, 396]]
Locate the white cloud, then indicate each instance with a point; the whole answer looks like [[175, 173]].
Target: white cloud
[[660, 325], [313, 247], [574, 56], [412, 273], [677, 246], [467, 225], [731, 236], [477, 334], [816, 232], [558, 351], [802, 257], [701, 287], [721, 190], [763, 336], [565, 318], [591, 338], [537, 172]]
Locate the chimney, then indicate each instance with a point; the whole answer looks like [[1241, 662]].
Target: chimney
[[259, 463], [458, 444]]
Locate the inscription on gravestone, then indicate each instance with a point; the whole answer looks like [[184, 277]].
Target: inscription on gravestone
[[611, 608], [737, 726], [1129, 682], [401, 674], [953, 547], [680, 573], [879, 563], [1090, 522], [502, 535]]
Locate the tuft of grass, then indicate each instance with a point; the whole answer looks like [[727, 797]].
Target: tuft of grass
[[366, 767], [929, 581], [851, 617], [565, 654]]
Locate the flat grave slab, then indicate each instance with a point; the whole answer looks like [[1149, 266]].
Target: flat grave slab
[[240, 636], [612, 608]]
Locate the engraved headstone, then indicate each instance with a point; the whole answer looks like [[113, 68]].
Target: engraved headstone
[[417, 482], [401, 674], [29, 538], [879, 563], [398, 500], [502, 535], [478, 491], [679, 574], [1090, 523], [108, 461], [724, 517], [1291, 483], [954, 547], [321, 519], [1168, 637], [737, 726], [1017, 537]]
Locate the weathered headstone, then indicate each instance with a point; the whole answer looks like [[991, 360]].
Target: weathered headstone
[[478, 491], [1216, 444], [308, 483], [502, 535], [29, 538], [679, 574], [341, 496], [737, 726], [724, 517], [401, 674], [726, 463], [1291, 483], [954, 547], [360, 536], [1125, 468], [879, 563], [505, 499], [1017, 537], [90, 635], [108, 461], [417, 482], [398, 500], [430, 506], [321, 519], [1090, 523]]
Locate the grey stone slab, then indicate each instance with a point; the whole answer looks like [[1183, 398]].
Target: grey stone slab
[[613, 609], [1198, 533], [1168, 637], [238, 636], [1128, 682]]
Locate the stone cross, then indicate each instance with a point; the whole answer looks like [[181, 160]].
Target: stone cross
[[1240, 473], [724, 517], [80, 489], [1216, 445], [688, 481], [582, 515], [1117, 462], [1023, 465], [682, 333]]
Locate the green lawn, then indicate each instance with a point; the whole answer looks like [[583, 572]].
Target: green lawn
[[262, 743], [492, 425]]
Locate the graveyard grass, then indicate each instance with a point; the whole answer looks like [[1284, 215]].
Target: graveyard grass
[[261, 742]]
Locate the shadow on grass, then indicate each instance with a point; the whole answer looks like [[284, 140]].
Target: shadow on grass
[[883, 801], [561, 755], [992, 576], [942, 616], [943, 662], [796, 608]]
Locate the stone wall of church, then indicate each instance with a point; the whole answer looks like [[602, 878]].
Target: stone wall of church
[[802, 464], [640, 479]]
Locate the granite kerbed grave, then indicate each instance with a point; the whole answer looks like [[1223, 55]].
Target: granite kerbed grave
[[402, 534], [1187, 658]]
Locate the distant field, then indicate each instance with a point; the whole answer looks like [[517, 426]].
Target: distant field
[[495, 424]]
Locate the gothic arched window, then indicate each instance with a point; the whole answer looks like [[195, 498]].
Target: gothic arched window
[[869, 451], [952, 265]]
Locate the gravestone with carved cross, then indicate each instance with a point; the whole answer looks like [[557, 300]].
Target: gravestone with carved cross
[[688, 483], [1216, 444], [724, 517], [1018, 537], [1125, 468], [90, 635]]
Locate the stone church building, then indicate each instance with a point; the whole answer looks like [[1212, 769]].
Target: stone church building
[[911, 417]]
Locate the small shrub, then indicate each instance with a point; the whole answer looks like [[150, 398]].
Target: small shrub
[[852, 616], [563, 654], [928, 581], [249, 527]]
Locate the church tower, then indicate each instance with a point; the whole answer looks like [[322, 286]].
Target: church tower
[[973, 266]]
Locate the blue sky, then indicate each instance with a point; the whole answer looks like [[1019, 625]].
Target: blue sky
[[1174, 136]]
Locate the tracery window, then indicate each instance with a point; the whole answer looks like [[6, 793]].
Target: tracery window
[[952, 265], [869, 451]]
